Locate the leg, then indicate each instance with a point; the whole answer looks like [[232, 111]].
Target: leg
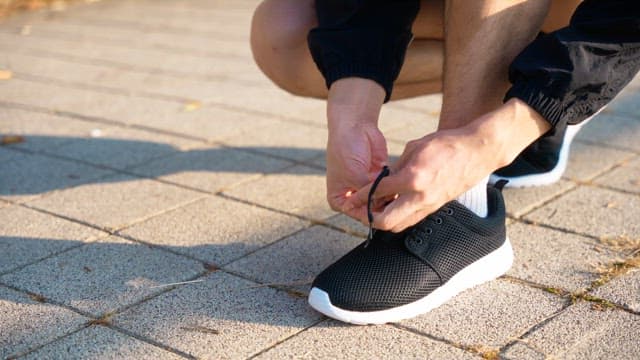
[[279, 44], [482, 38]]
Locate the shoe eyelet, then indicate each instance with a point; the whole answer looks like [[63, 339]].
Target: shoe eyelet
[[438, 221], [429, 231], [418, 241], [449, 211]]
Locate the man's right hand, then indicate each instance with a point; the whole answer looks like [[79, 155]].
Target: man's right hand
[[356, 149]]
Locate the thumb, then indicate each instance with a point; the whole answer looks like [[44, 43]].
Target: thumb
[[388, 186]]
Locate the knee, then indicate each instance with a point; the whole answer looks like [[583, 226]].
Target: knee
[[279, 31]]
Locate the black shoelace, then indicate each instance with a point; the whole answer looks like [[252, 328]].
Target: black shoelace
[[385, 172]]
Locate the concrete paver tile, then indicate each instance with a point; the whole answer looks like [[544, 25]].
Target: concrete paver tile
[[215, 230], [99, 342], [115, 201], [27, 324], [103, 276], [335, 340], [587, 161], [598, 212], [430, 104], [625, 177], [26, 176], [151, 59], [519, 201], [307, 253], [285, 139], [27, 236], [415, 129], [41, 131], [626, 103], [583, 333], [301, 190], [624, 290], [211, 168], [348, 224], [120, 148], [556, 259], [223, 317], [611, 129], [489, 315]]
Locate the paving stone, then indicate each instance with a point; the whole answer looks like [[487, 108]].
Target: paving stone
[[624, 290], [104, 276], [27, 236], [520, 201], [611, 129], [626, 103], [99, 342], [625, 177], [211, 168], [41, 131], [430, 104], [215, 230], [490, 315], [301, 190], [151, 59], [32, 175], [349, 225], [589, 210], [556, 259], [115, 201], [285, 139], [587, 161], [27, 324], [307, 253], [120, 148], [339, 341], [583, 333], [415, 129], [223, 317]]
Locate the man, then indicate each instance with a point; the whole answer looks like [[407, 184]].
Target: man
[[440, 228]]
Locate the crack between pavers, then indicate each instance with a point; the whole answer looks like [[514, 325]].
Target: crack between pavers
[[287, 338], [433, 337]]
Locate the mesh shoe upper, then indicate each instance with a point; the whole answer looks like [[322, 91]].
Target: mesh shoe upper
[[397, 269]]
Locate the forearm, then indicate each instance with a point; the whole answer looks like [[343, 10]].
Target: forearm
[[505, 132]]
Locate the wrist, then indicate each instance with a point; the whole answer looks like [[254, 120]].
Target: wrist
[[509, 130], [354, 102]]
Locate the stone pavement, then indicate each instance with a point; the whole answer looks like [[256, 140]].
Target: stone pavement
[[155, 153]]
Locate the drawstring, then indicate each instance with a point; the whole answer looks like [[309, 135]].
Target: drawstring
[[383, 173]]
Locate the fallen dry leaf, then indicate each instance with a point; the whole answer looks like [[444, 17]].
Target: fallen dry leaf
[[6, 74], [11, 139]]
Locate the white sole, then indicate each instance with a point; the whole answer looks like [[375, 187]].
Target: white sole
[[555, 174], [485, 269]]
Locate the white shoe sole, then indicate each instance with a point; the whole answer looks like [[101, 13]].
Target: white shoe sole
[[485, 269], [555, 174]]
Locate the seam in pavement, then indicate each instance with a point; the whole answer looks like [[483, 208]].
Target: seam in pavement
[[287, 338]]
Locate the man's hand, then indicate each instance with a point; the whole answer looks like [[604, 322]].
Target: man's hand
[[439, 167], [355, 155], [356, 149]]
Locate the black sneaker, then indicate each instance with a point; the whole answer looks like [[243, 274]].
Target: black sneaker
[[397, 276], [543, 162]]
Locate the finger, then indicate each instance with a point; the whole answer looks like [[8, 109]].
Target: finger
[[359, 214], [410, 221], [388, 187], [397, 212]]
